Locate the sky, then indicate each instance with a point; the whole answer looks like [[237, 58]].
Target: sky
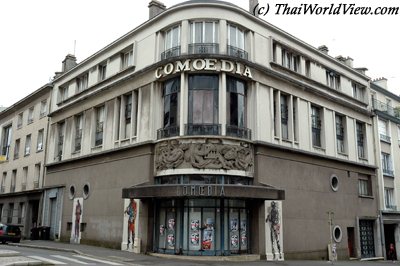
[[37, 35]]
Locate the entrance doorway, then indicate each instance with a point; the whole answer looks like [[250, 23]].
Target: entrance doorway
[[350, 242], [389, 238]]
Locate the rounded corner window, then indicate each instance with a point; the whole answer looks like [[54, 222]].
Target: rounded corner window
[[72, 192], [86, 191], [337, 233], [334, 182]]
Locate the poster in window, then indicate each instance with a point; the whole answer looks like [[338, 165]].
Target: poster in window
[[171, 224], [234, 225], [234, 241], [194, 239], [162, 230], [194, 225], [208, 234], [171, 240], [243, 241], [243, 225]]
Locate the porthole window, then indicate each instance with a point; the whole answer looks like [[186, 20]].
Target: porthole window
[[337, 234], [334, 183], [72, 192], [86, 191]]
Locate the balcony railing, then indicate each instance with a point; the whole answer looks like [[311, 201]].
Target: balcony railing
[[240, 132], [174, 51], [168, 132], [203, 129], [383, 107], [35, 184], [391, 207], [385, 138], [203, 48], [387, 172], [237, 52]]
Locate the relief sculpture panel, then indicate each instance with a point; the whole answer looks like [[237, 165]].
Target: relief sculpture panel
[[211, 154]]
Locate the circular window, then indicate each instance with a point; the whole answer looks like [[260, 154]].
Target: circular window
[[334, 182], [72, 192], [86, 191], [337, 233]]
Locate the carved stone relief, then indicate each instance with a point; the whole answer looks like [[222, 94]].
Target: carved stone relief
[[211, 154]]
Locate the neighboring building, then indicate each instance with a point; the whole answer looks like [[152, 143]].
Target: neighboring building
[[210, 118], [386, 106], [23, 131]]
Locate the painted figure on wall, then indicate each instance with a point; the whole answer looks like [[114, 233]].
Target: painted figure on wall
[[131, 212], [78, 213], [275, 226]]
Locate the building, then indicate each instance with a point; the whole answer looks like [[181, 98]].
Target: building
[[387, 130], [23, 131]]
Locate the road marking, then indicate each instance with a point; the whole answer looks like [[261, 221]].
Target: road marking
[[97, 260], [70, 259], [47, 260]]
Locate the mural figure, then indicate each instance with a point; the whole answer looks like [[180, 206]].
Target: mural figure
[[208, 234], [78, 213], [131, 212], [273, 219]]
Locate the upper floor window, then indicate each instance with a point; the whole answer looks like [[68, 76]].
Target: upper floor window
[[203, 37], [383, 128], [13, 182], [39, 146], [60, 140], [43, 108], [102, 71], [387, 168], [172, 37], [340, 133], [316, 126], [364, 186], [171, 109], [127, 59], [99, 126], [16, 148], [236, 104], [332, 79], [30, 114], [24, 177], [3, 182], [284, 116], [82, 82], [398, 134], [389, 199], [20, 120], [236, 42], [290, 60], [358, 91], [360, 128], [6, 141], [203, 105], [62, 93], [28, 142], [36, 175], [78, 132]]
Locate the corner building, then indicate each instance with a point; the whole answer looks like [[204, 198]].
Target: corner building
[[206, 117]]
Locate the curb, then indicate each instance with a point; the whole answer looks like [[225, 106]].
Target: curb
[[25, 263], [9, 253]]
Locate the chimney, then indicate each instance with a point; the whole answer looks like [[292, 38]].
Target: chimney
[[68, 63], [348, 61], [324, 49], [156, 8], [381, 82], [361, 70], [252, 7], [340, 58]]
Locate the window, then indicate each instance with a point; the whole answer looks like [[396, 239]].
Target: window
[[10, 213], [398, 134], [62, 94], [290, 60], [332, 79], [3, 182], [284, 117], [99, 126], [364, 186], [127, 59], [21, 212], [16, 148], [295, 108], [30, 114], [13, 180], [389, 199], [358, 91], [203, 105], [78, 132], [102, 72], [43, 108], [236, 105], [236, 42], [24, 178], [386, 164], [360, 128], [82, 82], [172, 41], [203, 37], [6, 141], [171, 109], [334, 180], [340, 133], [60, 140], [308, 68], [316, 126], [28, 141], [383, 129], [39, 146], [127, 115], [20, 119], [36, 176]]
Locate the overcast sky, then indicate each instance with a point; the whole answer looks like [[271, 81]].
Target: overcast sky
[[37, 35]]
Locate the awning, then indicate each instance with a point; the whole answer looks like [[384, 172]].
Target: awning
[[202, 191]]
